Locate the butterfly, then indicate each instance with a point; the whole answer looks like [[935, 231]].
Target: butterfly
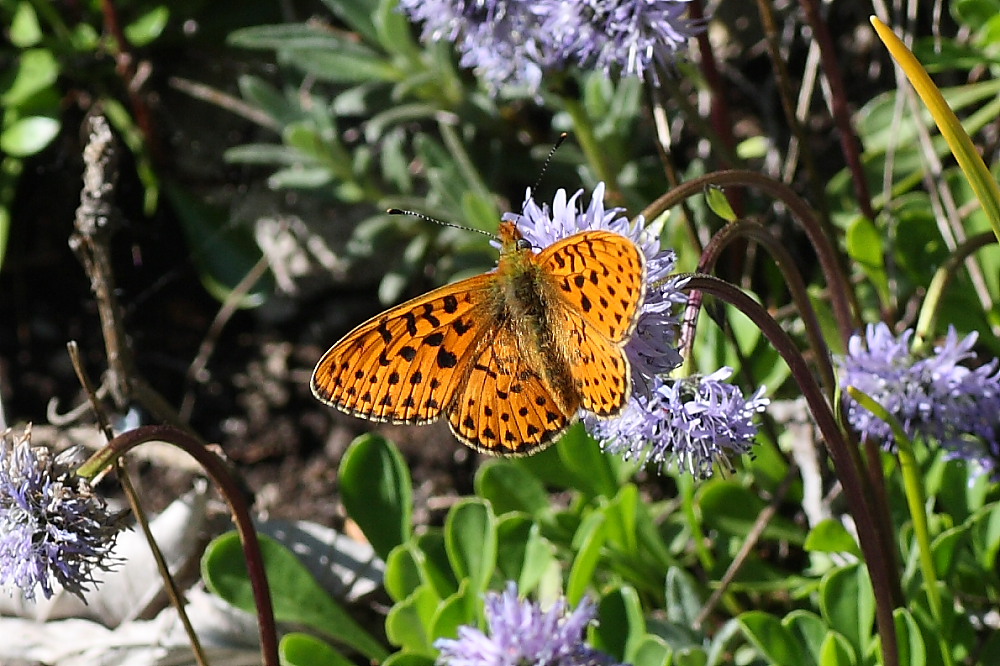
[[509, 357]]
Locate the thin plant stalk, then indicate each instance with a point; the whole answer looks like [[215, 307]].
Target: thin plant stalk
[[842, 297], [916, 501], [931, 307], [881, 567], [238, 506], [982, 182]]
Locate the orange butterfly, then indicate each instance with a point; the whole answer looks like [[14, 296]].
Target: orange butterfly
[[510, 356]]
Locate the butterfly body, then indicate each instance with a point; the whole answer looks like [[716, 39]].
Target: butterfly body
[[510, 356]]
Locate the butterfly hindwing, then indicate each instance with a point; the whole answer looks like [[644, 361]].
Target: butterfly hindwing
[[504, 407], [403, 366]]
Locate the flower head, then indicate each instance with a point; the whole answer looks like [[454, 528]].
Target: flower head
[[515, 42], [630, 37], [933, 396], [53, 528], [692, 421], [520, 633]]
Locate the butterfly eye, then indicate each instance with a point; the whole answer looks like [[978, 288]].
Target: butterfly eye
[[523, 244]]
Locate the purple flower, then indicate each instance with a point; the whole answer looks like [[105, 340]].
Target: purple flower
[[691, 421], [515, 42], [53, 529], [497, 38], [932, 396], [520, 633], [630, 37]]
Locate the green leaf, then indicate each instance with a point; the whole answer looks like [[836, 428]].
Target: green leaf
[[347, 63], [357, 14], [37, 69], [836, 651], [943, 549], [24, 29], [470, 535], [298, 649], [773, 639], [509, 487], [651, 651], [223, 252], [587, 545], [909, 638], [810, 631], [830, 536], [583, 456], [295, 594], [408, 659], [408, 622], [622, 514], [377, 492], [453, 612], [683, 601], [729, 507], [403, 574], [435, 565], [621, 624], [148, 27], [719, 203], [28, 136], [847, 603]]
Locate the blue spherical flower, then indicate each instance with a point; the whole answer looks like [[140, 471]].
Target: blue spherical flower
[[933, 397], [627, 37], [520, 633], [691, 422], [515, 42], [53, 528]]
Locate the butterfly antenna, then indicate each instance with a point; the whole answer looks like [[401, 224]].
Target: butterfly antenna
[[548, 160], [428, 218]]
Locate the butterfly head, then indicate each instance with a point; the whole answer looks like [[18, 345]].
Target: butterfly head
[[511, 239]]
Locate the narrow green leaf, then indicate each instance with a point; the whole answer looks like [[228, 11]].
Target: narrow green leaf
[[295, 594], [377, 492], [772, 638], [24, 28], [830, 536], [470, 535], [621, 622], [509, 487], [29, 135], [847, 603], [298, 649], [983, 184], [408, 622], [912, 650], [148, 27], [719, 203], [587, 544]]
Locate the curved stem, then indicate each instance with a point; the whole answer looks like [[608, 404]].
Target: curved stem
[[842, 297], [238, 506], [942, 278], [793, 280], [884, 578]]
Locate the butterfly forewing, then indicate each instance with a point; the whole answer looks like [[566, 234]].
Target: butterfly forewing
[[602, 275], [405, 364], [504, 407]]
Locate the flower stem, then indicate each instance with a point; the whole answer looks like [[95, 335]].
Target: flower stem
[[842, 298], [583, 129], [238, 506], [880, 566], [916, 502], [931, 306]]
